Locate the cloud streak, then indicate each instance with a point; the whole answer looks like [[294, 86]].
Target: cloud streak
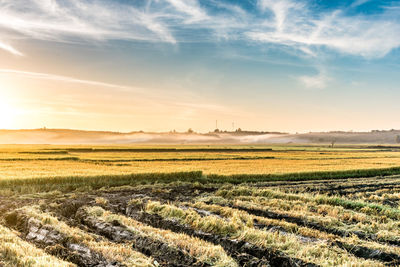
[[147, 97], [190, 8], [298, 27], [10, 49], [287, 24], [46, 76], [68, 21]]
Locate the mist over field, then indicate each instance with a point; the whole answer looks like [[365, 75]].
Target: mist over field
[[61, 136]]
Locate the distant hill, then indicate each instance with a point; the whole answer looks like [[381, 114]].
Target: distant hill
[[373, 137], [66, 136]]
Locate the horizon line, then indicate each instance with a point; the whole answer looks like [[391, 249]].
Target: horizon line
[[198, 132]]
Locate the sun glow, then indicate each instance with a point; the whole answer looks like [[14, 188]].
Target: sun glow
[[8, 113]]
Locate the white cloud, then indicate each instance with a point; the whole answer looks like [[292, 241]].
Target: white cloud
[[46, 76], [285, 23], [296, 27], [357, 3], [86, 20], [10, 49], [281, 10], [191, 8], [102, 20], [319, 81]]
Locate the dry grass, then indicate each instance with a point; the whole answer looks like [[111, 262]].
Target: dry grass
[[16, 252], [115, 252], [331, 212], [34, 161], [202, 250], [51, 173], [317, 252], [248, 219]]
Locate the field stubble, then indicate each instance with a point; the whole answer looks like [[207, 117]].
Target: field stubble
[[64, 206]]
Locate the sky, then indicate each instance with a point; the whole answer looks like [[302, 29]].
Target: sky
[[160, 65]]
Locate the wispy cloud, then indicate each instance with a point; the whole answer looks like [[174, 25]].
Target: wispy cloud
[[318, 81], [284, 23], [10, 49], [46, 76], [66, 21], [146, 96], [190, 8], [357, 3], [281, 10], [101, 20], [298, 27]]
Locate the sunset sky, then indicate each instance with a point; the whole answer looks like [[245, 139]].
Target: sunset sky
[[159, 65]]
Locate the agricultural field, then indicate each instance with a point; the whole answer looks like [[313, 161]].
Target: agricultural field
[[23, 162], [278, 205]]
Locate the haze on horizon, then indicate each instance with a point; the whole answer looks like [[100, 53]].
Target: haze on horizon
[[160, 65]]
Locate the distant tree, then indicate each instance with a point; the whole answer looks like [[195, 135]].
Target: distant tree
[[333, 143], [190, 130], [216, 131], [398, 139], [239, 130]]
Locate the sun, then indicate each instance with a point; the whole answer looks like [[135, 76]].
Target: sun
[[7, 114]]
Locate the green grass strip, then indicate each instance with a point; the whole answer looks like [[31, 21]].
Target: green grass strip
[[95, 182], [303, 176], [74, 182]]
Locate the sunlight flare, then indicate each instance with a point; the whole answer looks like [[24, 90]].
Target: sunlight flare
[[8, 113]]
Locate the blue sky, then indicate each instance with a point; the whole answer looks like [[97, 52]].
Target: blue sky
[[173, 64]]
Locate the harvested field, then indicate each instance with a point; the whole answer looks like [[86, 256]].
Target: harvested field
[[337, 218], [24, 162]]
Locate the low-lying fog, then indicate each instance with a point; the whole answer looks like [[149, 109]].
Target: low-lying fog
[[43, 136]]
